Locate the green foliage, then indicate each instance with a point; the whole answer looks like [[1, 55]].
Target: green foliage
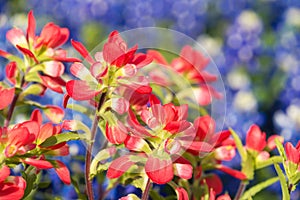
[[63, 137], [257, 188], [97, 164], [283, 183], [239, 145]]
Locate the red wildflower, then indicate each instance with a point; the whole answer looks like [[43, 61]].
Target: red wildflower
[[205, 133], [11, 187], [214, 182], [257, 144], [167, 125], [115, 59], [191, 64], [11, 72], [15, 140], [292, 153], [6, 96], [255, 139], [59, 167], [182, 194], [40, 50]]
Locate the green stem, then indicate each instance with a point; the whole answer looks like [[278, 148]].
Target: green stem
[[88, 156], [147, 190], [240, 191]]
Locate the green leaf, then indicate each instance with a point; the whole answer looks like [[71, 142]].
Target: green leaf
[[33, 103], [101, 156], [268, 162], [77, 190], [33, 77], [62, 137], [140, 182], [239, 144], [191, 158], [295, 179], [82, 109], [30, 179], [155, 195], [284, 187], [43, 185], [280, 149], [248, 167], [257, 188], [34, 89]]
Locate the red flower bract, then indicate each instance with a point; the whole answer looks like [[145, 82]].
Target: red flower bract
[[11, 187], [6, 96], [255, 139]]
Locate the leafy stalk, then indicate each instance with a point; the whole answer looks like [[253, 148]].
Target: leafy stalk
[[88, 156], [284, 187], [260, 186], [147, 189], [241, 190]]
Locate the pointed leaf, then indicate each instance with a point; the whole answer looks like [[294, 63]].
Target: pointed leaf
[[34, 89], [283, 183], [257, 188], [239, 144], [280, 149], [268, 162], [99, 158], [63, 137]]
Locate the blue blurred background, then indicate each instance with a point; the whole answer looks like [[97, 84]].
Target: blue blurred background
[[255, 44]]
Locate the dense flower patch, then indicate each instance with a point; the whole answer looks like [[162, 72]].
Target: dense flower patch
[[148, 140]]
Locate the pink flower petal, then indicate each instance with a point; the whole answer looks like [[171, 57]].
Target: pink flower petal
[[31, 26], [4, 173], [214, 182], [83, 51], [54, 113], [116, 134], [255, 139], [63, 172], [292, 153], [28, 53], [80, 90], [16, 37], [232, 172], [36, 116], [41, 164], [53, 83], [119, 166], [7, 96], [271, 141], [184, 171], [54, 68], [157, 57], [182, 194], [159, 170]]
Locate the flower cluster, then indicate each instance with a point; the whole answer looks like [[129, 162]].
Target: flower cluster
[[30, 143], [147, 139]]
